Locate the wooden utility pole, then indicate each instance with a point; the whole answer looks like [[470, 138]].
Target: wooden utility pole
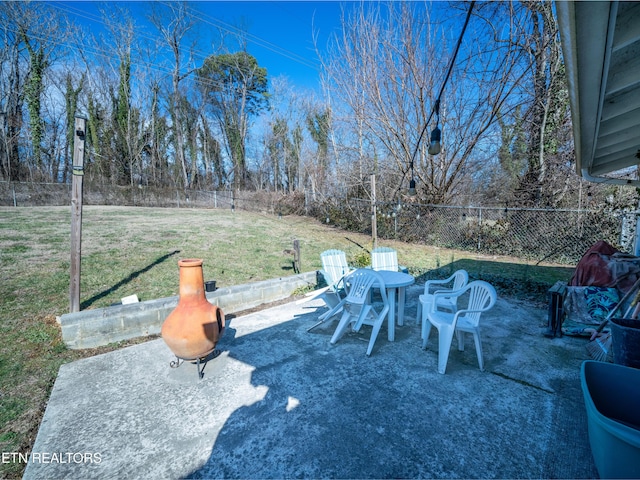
[[76, 212], [374, 212]]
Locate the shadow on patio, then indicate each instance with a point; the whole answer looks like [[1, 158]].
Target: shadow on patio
[[281, 402]]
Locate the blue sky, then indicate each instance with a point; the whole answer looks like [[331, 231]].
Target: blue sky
[[280, 33]]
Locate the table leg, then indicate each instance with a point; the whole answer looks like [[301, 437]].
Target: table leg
[[391, 320], [401, 297]]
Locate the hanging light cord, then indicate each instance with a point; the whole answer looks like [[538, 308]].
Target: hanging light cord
[[444, 84]]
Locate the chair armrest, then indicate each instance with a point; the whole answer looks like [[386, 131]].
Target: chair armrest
[[462, 313], [430, 283], [445, 292], [340, 285], [448, 293]]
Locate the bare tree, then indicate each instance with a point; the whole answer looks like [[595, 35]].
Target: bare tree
[[11, 94], [380, 69], [27, 57], [389, 69], [319, 126], [175, 23], [548, 112], [124, 117], [215, 173], [286, 139], [71, 95], [157, 136]]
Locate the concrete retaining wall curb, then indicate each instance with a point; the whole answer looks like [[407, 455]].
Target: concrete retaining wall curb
[[95, 328]]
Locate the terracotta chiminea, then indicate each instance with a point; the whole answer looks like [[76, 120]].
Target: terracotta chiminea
[[193, 328]]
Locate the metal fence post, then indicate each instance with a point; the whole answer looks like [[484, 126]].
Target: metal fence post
[[374, 212], [479, 228], [636, 243]]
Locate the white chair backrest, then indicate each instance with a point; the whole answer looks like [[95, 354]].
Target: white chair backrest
[[384, 258], [358, 284], [334, 263], [482, 296], [460, 279]]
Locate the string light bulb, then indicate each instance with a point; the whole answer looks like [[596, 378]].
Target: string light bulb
[[436, 134], [412, 188], [412, 183], [434, 146]]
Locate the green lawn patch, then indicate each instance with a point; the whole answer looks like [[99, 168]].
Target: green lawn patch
[[132, 250]]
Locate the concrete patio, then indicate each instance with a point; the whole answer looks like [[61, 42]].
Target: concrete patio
[[281, 402]]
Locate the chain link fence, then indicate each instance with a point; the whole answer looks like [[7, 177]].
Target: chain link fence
[[538, 235], [32, 194]]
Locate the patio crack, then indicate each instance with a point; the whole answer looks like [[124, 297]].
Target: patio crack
[[522, 382]]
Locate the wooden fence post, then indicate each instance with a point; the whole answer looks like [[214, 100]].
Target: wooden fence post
[[76, 212]]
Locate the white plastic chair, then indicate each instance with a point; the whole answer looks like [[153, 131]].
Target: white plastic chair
[[455, 282], [334, 268], [482, 296], [334, 265], [357, 309], [385, 258]]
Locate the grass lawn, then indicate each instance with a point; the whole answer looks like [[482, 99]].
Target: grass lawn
[[132, 250]]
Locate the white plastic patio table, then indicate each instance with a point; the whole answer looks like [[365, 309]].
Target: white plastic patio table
[[395, 282]]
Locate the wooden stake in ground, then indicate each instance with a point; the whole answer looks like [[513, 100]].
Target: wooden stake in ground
[[76, 212], [296, 256]]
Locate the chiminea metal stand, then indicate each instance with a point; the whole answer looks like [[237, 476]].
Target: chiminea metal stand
[[200, 362]]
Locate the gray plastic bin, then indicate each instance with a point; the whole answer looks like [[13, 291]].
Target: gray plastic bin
[[611, 394]]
